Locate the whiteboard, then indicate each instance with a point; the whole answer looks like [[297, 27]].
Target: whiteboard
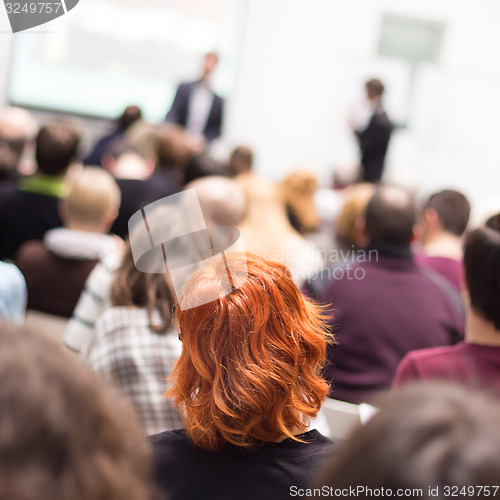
[[107, 54]]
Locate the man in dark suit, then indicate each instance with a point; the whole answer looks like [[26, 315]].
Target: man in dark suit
[[374, 138], [196, 107]]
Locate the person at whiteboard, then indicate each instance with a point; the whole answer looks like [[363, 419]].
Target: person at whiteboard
[[197, 107], [373, 136]]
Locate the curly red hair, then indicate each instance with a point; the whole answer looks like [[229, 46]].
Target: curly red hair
[[250, 365]]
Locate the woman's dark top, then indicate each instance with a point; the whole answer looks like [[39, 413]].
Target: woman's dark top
[[184, 471]]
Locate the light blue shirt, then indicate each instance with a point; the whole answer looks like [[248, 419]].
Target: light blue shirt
[[12, 293]]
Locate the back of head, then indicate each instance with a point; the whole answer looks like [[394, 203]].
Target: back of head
[[172, 147], [298, 190], [249, 368], [222, 200], [93, 195], [452, 208], [482, 272], [356, 199], [374, 88], [240, 161], [56, 147], [130, 115], [63, 435], [425, 436], [390, 216], [17, 124]]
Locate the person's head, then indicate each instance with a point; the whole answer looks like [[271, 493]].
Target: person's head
[[374, 89], [209, 64], [92, 201], [17, 128], [493, 222], [482, 273], [126, 161], [173, 150], [149, 290], [390, 216], [250, 362], [425, 436], [56, 147], [130, 115], [298, 190], [240, 161], [446, 211], [222, 200], [64, 434], [353, 209]]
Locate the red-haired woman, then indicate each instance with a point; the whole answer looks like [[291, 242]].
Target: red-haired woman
[[248, 381]]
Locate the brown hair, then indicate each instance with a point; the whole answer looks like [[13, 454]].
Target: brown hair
[[135, 288], [250, 365], [63, 436], [433, 434]]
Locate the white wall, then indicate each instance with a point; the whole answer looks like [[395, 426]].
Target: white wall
[[303, 64]]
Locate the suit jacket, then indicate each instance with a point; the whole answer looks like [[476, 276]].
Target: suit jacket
[[373, 142], [180, 108]]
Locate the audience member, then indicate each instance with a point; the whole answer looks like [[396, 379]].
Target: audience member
[[268, 233], [132, 171], [12, 293], [444, 220], [30, 209], [130, 115], [17, 129], [385, 306], [247, 381], [63, 435], [476, 361], [240, 161], [57, 268], [135, 346], [298, 190], [349, 238], [427, 441]]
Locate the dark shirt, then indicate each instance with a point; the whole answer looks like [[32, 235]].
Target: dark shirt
[[186, 472], [25, 216], [379, 312], [136, 194]]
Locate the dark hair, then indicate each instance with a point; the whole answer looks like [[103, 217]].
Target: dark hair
[[375, 86], [240, 161], [390, 215], [452, 208], [173, 149], [56, 147], [493, 222], [63, 435], [425, 436], [135, 288], [482, 272], [129, 116], [202, 165]]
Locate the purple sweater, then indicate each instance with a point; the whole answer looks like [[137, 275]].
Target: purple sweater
[[394, 309], [474, 365]]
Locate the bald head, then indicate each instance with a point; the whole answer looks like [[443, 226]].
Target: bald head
[[17, 124], [390, 216], [222, 200]]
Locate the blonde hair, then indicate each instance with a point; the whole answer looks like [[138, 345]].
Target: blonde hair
[[356, 199], [92, 194], [298, 192]]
